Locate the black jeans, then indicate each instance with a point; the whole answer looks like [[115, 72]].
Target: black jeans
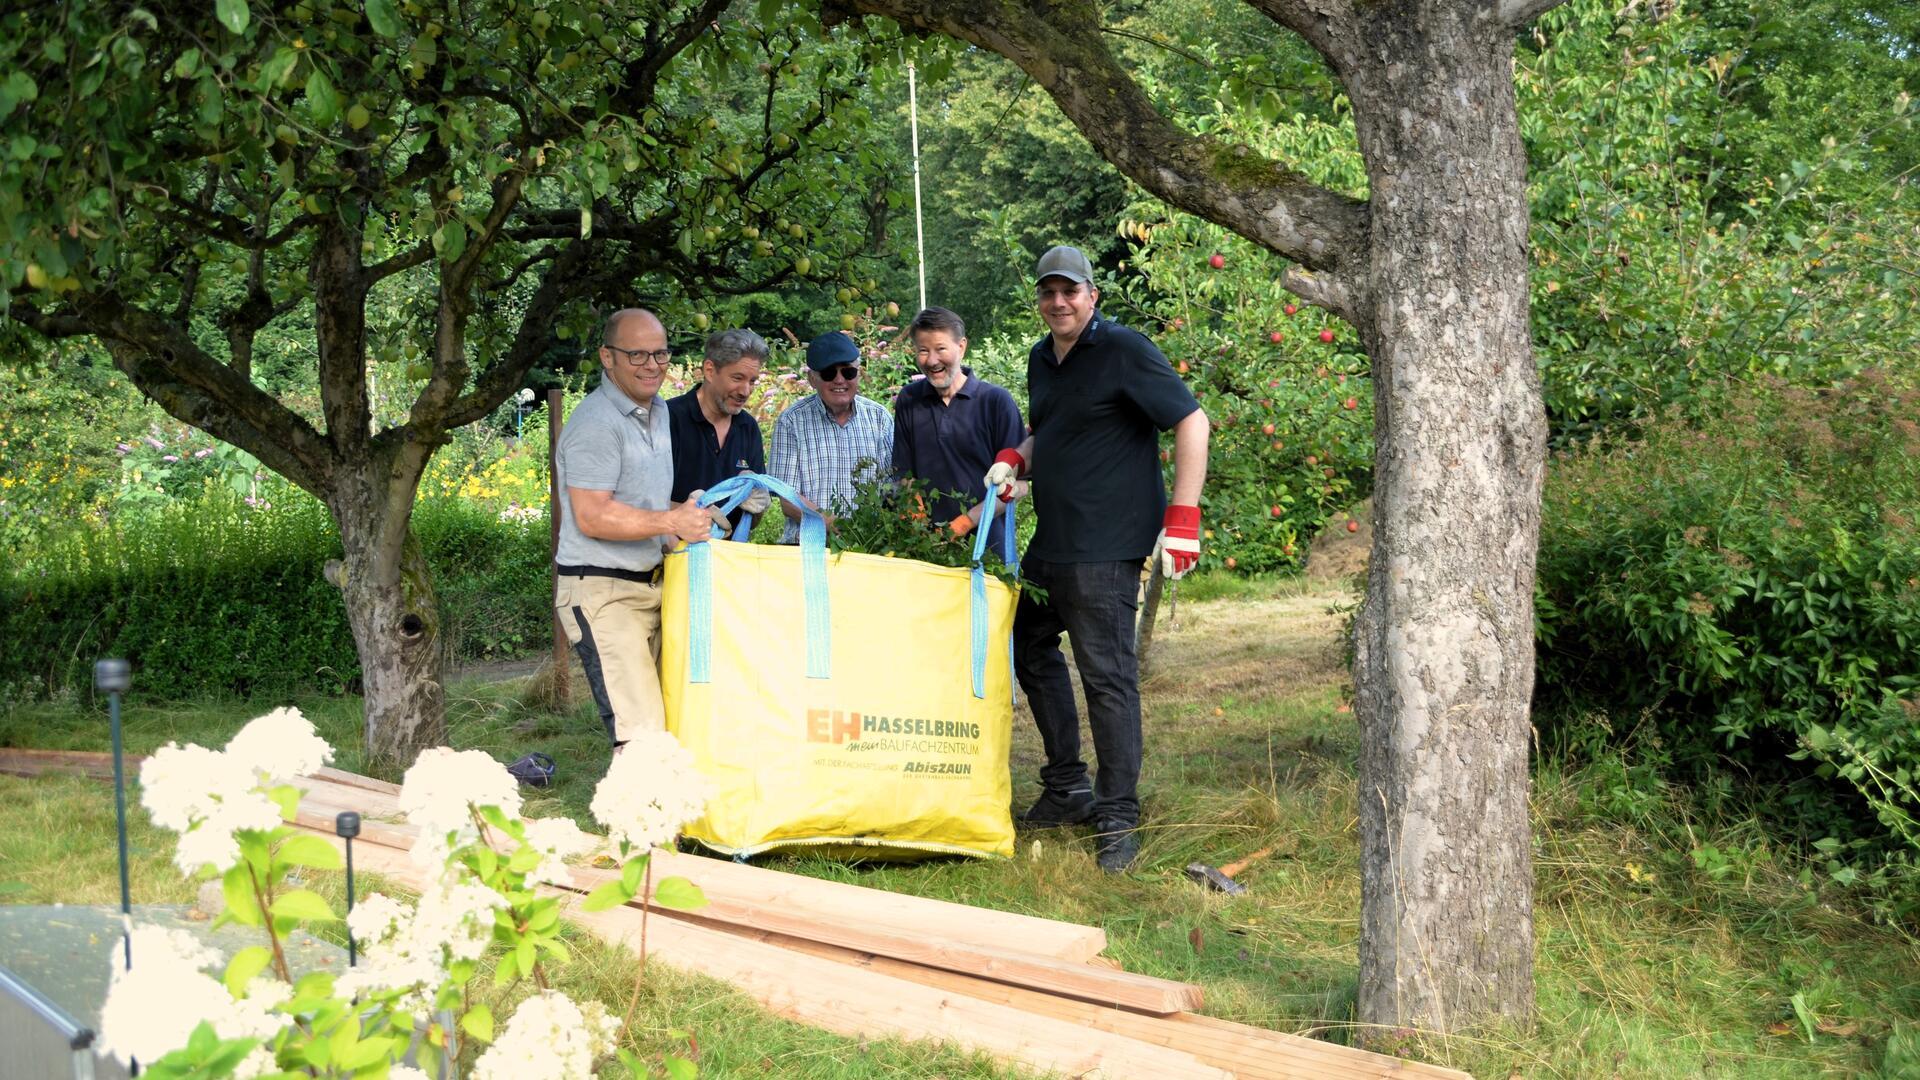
[[1094, 604]]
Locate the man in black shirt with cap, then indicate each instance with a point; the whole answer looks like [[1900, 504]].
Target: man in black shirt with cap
[[1099, 395]]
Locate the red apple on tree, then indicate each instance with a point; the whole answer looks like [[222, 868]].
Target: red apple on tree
[[1290, 309], [1351, 403], [1268, 429], [1327, 336], [1217, 261], [1276, 337]]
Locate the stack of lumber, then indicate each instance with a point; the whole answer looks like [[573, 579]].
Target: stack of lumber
[[870, 963]]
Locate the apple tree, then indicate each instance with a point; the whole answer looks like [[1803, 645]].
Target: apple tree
[[183, 180], [1429, 265]]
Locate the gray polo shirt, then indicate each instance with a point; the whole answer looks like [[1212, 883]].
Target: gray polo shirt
[[611, 444]]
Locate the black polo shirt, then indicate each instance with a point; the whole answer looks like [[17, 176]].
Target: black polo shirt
[[948, 446], [1097, 418], [699, 459]]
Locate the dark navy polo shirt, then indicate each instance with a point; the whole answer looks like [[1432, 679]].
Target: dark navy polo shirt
[[1097, 418], [948, 446], [699, 460]]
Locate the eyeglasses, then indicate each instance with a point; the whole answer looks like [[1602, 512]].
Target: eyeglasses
[[641, 357], [849, 372]]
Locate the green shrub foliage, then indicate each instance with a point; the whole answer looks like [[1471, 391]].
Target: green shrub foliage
[[213, 596], [1751, 585]]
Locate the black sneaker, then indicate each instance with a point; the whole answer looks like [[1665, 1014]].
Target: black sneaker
[[1055, 808], [1118, 844]]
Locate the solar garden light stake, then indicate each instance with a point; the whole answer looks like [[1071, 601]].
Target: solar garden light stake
[[347, 826], [114, 676]]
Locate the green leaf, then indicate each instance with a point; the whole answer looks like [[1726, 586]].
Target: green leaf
[[381, 16], [233, 14], [322, 98], [679, 894], [186, 64], [1805, 1014], [631, 871], [478, 1022], [679, 1068], [236, 888], [525, 956], [277, 67], [17, 89], [304, 905], [610, 895], [449, 240], [287, 798], [245, 964], [307, 849]]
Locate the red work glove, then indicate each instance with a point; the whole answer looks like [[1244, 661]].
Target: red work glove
[[1178, 548], [1007, 466]]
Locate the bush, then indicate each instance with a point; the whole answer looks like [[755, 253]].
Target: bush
[[1752, 586], [212, 596]]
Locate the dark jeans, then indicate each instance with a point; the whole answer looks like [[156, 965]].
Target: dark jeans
[[1094, 604]]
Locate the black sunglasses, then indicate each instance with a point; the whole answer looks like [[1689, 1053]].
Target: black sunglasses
[[849, 372]]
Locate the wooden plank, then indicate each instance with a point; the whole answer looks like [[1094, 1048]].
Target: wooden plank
[[820, 900], [924, 946], [351, 779], [928, 945], [1248, 1052], [89, 763], [829, 995]]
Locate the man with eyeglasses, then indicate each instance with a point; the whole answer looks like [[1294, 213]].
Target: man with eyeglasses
[[614, 465], [825, 444], [1099, 395], [714, 437]]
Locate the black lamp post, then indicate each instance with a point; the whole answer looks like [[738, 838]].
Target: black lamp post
[[347, 825], [113, 677]]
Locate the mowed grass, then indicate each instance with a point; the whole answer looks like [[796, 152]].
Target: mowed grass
[[1648, 965]]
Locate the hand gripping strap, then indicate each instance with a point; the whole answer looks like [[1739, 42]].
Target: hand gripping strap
[[729, 494], [979, 605]]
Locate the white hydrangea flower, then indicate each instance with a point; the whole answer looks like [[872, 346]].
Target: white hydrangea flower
[[556, 839], [440, 790], [280, 746], [650, 791], [549, 1037], [410, 949], [152, 1009], [206, 796]]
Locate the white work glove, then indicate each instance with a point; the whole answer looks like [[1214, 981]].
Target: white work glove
[[1178, 548], [757, 503], [1007, 466]]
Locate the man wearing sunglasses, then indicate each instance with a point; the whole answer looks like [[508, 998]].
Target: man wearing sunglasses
[[825, 444], [615, 470]]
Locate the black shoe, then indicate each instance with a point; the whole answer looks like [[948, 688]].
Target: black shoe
[[1118, 844], [1055, 808]]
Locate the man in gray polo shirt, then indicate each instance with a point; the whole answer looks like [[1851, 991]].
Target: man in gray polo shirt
[[615, 466]]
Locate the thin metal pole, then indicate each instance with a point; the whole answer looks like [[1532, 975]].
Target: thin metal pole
[[561, 678], [346, 824], [113, 676], [919, 234]]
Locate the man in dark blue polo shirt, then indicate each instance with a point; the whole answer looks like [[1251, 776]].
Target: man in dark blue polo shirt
[[714, 437], [1098, 397], [948, 425]]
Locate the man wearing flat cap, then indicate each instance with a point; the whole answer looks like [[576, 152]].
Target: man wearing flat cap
[[1099, 395], [825, 444]]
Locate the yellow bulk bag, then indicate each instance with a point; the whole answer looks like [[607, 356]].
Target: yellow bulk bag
[[846, 703]]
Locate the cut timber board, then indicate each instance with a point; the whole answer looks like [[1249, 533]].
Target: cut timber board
[[90, 763], [816, 899], [1074, 979], [1250, 1053], [832, 996]]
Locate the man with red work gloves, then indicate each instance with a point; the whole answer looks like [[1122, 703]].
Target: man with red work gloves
[[1099, 395]]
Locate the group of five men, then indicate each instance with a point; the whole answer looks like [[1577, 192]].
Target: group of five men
[[632, 468]]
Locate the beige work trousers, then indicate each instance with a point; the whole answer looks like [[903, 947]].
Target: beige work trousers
[[614, 626]]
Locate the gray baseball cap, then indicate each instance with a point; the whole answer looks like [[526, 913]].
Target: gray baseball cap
[[1066, 262]]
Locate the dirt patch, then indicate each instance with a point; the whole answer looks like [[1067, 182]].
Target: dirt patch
[[1245, 647], [1339, 553]]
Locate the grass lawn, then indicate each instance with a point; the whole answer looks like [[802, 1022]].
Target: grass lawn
[[1649, 964]]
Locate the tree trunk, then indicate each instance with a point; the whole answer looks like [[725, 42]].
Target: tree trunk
[[1444, 658], [395, 618]]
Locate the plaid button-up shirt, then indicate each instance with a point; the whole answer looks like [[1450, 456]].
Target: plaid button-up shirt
[[822, 460]]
